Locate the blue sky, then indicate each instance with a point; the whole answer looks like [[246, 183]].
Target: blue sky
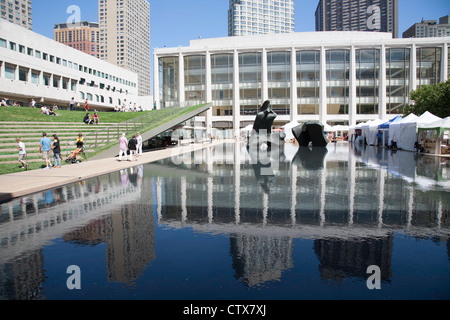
[[175, 22]]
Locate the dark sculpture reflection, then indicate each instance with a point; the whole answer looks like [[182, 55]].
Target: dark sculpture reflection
[[311, 158]]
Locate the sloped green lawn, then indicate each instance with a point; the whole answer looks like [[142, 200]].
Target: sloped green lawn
[[19, 114]]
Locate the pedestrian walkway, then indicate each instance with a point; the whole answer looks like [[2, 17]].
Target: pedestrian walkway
[[24, 183]]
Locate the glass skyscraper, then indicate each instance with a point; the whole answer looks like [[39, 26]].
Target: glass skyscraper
[[252, 17]]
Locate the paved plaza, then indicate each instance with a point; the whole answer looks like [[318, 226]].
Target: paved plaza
[[24, 183]]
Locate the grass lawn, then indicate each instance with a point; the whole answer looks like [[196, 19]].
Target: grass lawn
[[20, 114], [24, 115]]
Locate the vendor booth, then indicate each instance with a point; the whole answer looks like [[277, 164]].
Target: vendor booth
[[384, 128], [434, 138], [407, 138]]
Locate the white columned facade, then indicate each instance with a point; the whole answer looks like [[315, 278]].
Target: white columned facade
[[323, 86], [413, 69], [264, 77], [352, 88], [236, 94], [294, 108], [382, 110], [444, 64], [209, 113], [181, 92], [387, 66]]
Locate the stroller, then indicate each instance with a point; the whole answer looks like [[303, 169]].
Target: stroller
[[72, 158]]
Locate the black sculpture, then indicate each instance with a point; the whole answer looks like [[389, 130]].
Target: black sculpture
[[264, 119], [310, 132], [262, 128]]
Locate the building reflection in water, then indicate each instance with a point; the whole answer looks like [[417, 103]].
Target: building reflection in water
[[349, 202]]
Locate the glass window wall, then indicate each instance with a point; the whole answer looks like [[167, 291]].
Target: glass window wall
[[428, 66], [367, 80], [250, 82], [397, 79], [195, 79], [222, 70], [308, 80], [338, 72], [279, 81], [168, 79]]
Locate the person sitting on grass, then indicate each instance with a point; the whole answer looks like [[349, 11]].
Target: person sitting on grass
[[95, 118], [50, 112], [4, 102], [87, 119], [45, 110]]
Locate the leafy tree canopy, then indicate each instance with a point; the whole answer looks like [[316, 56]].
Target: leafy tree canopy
[[432, 98]]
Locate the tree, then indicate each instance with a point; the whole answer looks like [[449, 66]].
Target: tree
[[432, 98]]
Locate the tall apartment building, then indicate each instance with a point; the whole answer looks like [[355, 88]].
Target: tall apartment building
[[83, 36], [429, 28], [18, 12], [125, 37], [358, 15], [260, 17]]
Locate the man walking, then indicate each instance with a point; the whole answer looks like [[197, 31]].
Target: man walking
[[44, 147], [22, 153]]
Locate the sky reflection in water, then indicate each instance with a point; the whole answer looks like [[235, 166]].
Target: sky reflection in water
[[212, 225]]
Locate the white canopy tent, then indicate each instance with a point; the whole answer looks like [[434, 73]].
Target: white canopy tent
[[370, 130], [407, 136], [394, 128], [288, 130]]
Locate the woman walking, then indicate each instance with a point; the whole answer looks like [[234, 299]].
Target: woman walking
[[56, 151]]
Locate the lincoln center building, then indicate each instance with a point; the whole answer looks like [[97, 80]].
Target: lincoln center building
[[333, 77]]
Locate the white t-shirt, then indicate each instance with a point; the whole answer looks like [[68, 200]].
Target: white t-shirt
[[22, 146]]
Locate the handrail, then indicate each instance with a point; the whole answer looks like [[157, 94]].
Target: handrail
[[139, 124]]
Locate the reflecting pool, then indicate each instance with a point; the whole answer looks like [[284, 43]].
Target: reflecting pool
[[225, 223]]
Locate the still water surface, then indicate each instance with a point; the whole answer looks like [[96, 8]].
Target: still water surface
[[217, 224]]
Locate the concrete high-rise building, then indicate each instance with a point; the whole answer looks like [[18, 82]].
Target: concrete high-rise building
[[429, 28], [125, 37], [18, 12], [260, 17], [358, 15], [82, 36]]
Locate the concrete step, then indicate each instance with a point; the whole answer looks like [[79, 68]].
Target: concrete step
[[4, 159]]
